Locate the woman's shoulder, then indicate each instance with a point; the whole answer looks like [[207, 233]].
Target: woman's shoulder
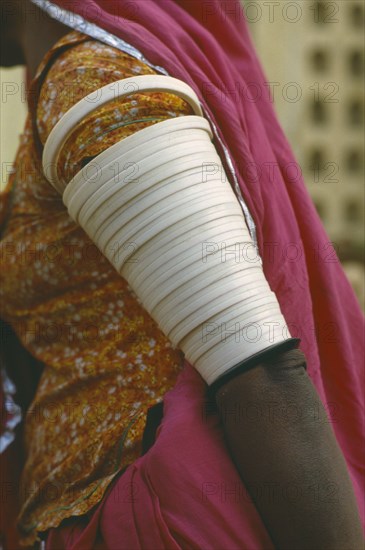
[[79, 66], [76, 66]]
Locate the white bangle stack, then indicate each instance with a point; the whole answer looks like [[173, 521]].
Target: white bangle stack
[[175, 232]]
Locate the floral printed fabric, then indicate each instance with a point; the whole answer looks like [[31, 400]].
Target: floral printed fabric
[[105, 360]]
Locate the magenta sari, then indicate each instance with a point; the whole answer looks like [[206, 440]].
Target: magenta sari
[[185, 491]]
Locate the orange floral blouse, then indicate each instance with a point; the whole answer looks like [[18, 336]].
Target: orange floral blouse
[[105, 360]]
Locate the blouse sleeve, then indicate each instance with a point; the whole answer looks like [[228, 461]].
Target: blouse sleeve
[[81, 70]]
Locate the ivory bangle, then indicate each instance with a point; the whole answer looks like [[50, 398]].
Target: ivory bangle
[[116, 90], [184, 225]]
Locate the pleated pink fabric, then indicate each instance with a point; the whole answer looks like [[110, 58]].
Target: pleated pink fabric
[[184, 492]]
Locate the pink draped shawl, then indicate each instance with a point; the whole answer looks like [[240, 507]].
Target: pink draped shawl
[[185, 492]]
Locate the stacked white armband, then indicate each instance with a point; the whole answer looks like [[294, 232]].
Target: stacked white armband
[[159, 206]]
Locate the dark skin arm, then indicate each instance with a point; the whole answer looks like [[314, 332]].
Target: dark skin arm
[[286, 453]]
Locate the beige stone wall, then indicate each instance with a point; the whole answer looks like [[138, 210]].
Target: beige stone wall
[[12, 116], [313, 56]]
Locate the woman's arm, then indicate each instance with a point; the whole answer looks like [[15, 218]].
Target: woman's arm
[[297, 452], [287, 455]]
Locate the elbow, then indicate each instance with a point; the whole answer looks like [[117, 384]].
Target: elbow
[[283, 376]]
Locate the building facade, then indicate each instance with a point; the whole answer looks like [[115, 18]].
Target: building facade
[[313, 56]]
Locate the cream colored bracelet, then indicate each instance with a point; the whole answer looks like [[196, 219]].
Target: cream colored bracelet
[[176, 232], [119, 89]]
